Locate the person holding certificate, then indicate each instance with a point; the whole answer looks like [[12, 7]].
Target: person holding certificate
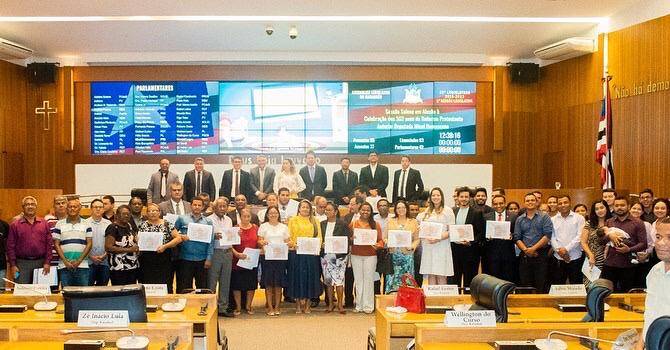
[[402, 258], [155, 265], [436, 260], [121, 245], [273, 272], [304, 280], [196, 251], [333, 265], [364, 260], [244, 280]]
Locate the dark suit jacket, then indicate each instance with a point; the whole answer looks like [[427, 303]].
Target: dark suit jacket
[[227, 182], [379, 182], [414, 184], [207, 185], [342, 188], [347, 219], [317, 187], [341, 229], [268, 182], [233, 217], [476, 219], [499, 250]]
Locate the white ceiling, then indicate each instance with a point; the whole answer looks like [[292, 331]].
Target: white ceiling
[[121, 40]]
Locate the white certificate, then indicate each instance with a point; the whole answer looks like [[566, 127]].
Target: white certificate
[[459, 233], [429, 229], [149, 241], [276, 251], [292, 208], [51, 279], [308, 246], [336, 245], [591, 272], [230, 236], [498, 230], [171, 218], [199, 232], [251, 262], [399, 239], [363, 236]]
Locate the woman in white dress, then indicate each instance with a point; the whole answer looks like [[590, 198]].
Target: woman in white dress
[[436, 260], [289, 178]]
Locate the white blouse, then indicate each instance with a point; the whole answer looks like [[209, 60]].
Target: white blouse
[[273, 234], [293, 182]]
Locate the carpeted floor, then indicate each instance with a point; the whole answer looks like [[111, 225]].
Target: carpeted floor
[[316, 331]]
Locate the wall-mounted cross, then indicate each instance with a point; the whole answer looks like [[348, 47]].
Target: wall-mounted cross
[[46, 113]]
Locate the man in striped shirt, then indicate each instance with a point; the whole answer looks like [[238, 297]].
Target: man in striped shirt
[[73, 239]]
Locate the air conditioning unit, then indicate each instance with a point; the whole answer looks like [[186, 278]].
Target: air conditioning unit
[[13, 51], [568, 48]]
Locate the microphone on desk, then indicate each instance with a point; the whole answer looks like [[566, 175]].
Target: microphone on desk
[[132, 342], [558, 344], [45, 305]]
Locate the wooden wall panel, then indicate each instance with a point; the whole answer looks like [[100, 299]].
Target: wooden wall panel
[[12, 123], [48, 164], [640, 54], [512, 164]]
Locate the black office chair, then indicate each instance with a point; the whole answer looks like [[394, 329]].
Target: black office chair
[[595, 300], [490, 293], [658, 334]]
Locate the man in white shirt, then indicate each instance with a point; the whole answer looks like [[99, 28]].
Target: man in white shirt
[[320, 208], [222, 259], [175, 205], [657, 303], [284, 196], [568, 254]]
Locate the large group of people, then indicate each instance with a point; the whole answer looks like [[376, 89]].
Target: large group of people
[[549, 240]]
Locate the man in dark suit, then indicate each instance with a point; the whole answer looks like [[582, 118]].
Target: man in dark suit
[[198, 181], [374, 176], [159, 185], [241, 203], [499, 257], [235, 181], [467, 254], [314, 176], [262, 179], [407, 183], [344, 182]]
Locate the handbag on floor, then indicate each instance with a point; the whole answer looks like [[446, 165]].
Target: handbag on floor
[[410, 295]]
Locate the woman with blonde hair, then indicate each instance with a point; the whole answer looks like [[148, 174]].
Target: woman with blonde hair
[[288, 177]]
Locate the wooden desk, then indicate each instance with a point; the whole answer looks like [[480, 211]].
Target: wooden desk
[[524, 308], [521, 300], [203, 326], [429, 337], [48, 335]]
